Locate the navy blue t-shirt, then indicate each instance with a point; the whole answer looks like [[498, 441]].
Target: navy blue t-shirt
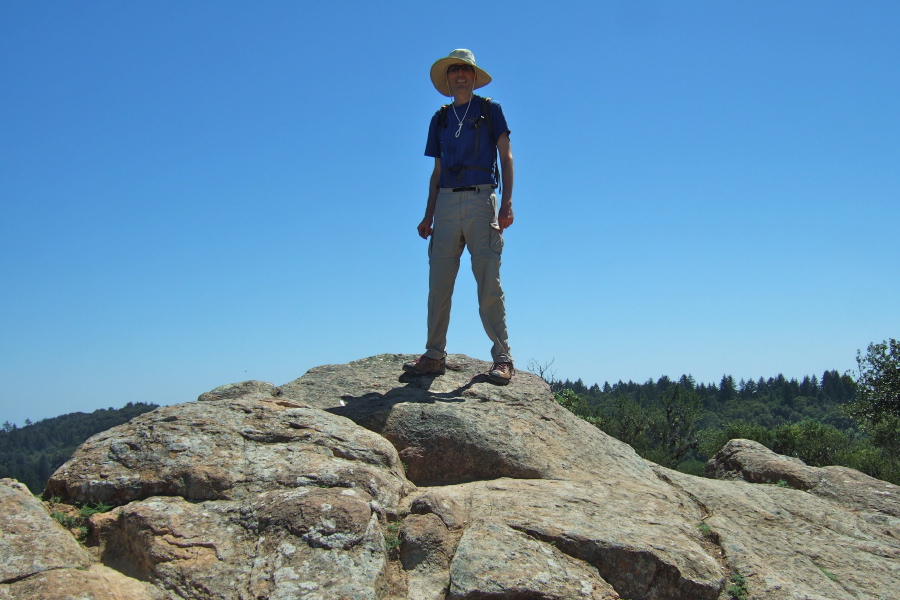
[[458, 151]]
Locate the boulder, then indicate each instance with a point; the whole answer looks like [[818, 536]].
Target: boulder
[[39, 559], [93, 583], [790, 544], [304, 542], [32, 541], [458, 427], [569, 539], [427, 549], [753, 462], [494, 560], [226, 449]]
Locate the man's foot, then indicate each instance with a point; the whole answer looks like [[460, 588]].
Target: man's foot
[[426, 366], [501, 373]]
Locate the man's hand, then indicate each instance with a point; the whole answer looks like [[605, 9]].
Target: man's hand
[[425, 228], [505, 216]]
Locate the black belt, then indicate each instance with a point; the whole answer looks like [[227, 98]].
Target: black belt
[[470, 188]]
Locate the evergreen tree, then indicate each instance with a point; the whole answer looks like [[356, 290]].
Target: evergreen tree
[[727, 390]]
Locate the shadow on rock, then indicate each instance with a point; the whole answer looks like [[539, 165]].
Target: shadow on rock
[[372, 409]]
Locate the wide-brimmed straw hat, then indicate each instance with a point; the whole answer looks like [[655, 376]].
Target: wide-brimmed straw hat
[[439, 70]]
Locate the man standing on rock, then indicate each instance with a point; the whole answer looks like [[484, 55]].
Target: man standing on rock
[[464, 139]]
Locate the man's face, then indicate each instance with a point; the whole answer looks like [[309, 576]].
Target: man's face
[[461, 77]]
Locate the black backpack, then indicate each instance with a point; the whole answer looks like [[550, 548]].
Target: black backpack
[[483, 120]]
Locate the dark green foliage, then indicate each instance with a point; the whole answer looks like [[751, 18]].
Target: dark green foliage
[[87, 510], [681, 424], [691, 466], [577, 405], [713, 439], [32, 453], [886, 434], [627, 420], [66, 520], [664, 432], [673, 425], [814, 443], [765, 402]]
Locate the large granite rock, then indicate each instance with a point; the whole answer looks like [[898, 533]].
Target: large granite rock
[[227, 449], [96, 582], [791, 544], [39, 560], [309, 490], [458, 427], [289, 543], [566, 539], [32, 542]]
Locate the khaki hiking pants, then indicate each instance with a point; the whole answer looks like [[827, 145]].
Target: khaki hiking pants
[[466, 220]]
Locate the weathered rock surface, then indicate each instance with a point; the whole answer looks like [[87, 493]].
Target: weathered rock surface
[[301, 491], [458, 427], [40, 560], [753, 462], [792, 544], [548, 536], [226, 449], [303, 542], [93, 583], [496, 560], [32, 542]]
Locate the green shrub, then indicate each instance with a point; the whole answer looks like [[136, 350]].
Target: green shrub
[[738, 588], [578, 406], [392, 536], [713, 440], [692, 466], [66, 520], [87, 510]]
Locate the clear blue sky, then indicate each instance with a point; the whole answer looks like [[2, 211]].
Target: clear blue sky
[[198, 193]]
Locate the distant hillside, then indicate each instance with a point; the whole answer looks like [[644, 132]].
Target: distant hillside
[[33, 452]]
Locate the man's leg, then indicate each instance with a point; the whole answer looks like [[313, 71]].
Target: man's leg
[[443, 259], [486, 245]]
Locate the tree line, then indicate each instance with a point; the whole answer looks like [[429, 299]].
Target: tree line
[[32, 453], [832, 420]]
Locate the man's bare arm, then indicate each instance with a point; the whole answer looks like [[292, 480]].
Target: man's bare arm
[[505, 217], [425, 226]]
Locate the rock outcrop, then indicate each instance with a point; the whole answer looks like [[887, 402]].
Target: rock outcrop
[[458, 427], [39, 560], [355, 481], [753, 462]]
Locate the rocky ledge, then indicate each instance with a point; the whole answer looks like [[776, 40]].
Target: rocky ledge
[[357, 482]]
